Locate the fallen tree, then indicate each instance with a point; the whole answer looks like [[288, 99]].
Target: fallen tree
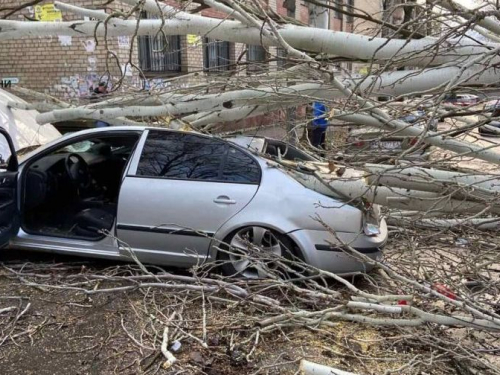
[[430, 283]]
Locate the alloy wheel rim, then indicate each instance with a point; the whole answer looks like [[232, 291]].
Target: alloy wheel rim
[[250, 240]]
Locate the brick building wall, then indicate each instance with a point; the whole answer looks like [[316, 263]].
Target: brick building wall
[[67, 68]]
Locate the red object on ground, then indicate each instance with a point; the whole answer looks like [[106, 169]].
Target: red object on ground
[[444, 290]]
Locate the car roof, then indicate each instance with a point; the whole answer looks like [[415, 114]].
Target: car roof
[[239, 141]]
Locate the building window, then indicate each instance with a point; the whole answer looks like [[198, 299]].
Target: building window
[[350, 8], [256, 58], [281, 57], [289, 5], [216, 55], [160, 53], [339, 4]]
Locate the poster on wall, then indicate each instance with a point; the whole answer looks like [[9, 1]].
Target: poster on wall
[[127, 70], [124, 42], [92, 81], [89, 45], [193, 40], [92, 63], [83, 88], [363, 70], [65, 40], [48, 13]]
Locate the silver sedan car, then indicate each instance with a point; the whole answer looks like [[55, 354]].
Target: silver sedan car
[[173, 197]]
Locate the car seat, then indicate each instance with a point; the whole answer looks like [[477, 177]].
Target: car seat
[[90, 221]]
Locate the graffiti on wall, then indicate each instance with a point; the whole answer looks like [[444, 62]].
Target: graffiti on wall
[[78, 86], [89, 45]]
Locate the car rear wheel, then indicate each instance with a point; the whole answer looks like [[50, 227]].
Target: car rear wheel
[[254, 252]]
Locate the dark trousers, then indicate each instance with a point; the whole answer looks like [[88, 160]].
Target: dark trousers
[[317, 137]]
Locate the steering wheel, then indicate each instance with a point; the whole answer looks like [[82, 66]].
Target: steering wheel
[[77, 170]]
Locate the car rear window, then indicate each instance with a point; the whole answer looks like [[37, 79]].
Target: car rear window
[[187, 156]]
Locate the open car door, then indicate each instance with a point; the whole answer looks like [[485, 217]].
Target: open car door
[[9, 212]]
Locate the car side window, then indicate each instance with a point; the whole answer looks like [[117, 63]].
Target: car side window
[[191, 157], [181, 156], [240, 167]]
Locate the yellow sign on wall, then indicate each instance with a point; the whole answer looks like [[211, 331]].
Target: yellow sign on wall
[[363, 71], [193, 40], [48, 13]]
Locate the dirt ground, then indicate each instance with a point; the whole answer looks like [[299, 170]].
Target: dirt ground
[[67, 332], [58, 330]]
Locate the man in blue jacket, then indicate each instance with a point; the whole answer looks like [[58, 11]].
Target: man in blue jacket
[[319, 125]]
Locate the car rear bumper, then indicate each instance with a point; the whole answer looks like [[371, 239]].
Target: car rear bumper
[[322, 249]]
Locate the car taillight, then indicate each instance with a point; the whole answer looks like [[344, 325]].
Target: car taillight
[[359, 143], [413, 141]]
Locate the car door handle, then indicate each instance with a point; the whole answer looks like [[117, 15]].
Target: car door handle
[[224, 200]]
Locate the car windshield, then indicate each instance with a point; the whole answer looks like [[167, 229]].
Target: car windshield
[[91, 146], [83, 146]]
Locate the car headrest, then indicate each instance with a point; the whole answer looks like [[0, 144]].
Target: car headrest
[[102, 149]]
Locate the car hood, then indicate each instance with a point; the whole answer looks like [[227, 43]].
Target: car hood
[[22, 125]]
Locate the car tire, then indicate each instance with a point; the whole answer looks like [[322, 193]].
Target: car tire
[[255, 239]]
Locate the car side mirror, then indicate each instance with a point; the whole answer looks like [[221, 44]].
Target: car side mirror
[[13, 164]]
